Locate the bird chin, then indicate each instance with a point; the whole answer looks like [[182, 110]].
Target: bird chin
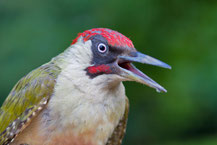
[[130, 73]]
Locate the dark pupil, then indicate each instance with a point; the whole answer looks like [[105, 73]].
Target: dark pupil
[[102, 47]]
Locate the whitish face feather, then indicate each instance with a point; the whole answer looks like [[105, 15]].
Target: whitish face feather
[[78, 57]]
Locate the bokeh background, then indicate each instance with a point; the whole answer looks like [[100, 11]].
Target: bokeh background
[[182, 33]]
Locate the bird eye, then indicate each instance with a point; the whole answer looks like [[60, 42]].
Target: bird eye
[[102, 48]]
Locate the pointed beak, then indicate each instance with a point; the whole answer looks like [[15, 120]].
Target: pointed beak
[[130, 72]]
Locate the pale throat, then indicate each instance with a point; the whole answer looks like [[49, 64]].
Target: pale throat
[[81, 104], [81, 111]]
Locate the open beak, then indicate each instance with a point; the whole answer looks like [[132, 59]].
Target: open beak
[[130, 72]]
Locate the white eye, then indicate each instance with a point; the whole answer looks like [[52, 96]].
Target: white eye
[[102, 48]]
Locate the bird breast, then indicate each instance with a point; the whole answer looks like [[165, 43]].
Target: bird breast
[[84, 113]]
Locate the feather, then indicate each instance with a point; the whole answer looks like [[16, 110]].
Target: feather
[[29, 96]]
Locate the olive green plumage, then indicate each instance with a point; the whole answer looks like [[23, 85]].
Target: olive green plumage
[[26, 99]]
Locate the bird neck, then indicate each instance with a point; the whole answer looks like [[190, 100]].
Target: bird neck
[[82, 104], [77, 110]]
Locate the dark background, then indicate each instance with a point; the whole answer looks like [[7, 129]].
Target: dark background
[[183, 33]]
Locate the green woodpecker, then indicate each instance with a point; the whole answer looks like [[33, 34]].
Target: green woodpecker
[[78, 97]]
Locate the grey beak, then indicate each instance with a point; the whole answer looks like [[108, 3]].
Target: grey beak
[[143, 58], [130, 72]]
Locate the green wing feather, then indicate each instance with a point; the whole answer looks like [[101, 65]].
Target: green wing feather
[[25, 100]]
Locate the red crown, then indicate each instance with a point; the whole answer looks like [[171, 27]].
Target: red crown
[[114, 38]]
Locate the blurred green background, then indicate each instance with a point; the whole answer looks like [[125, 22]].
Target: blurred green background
[[183, 33]]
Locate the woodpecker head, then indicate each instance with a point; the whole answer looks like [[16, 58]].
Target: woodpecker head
[[109, 53]]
